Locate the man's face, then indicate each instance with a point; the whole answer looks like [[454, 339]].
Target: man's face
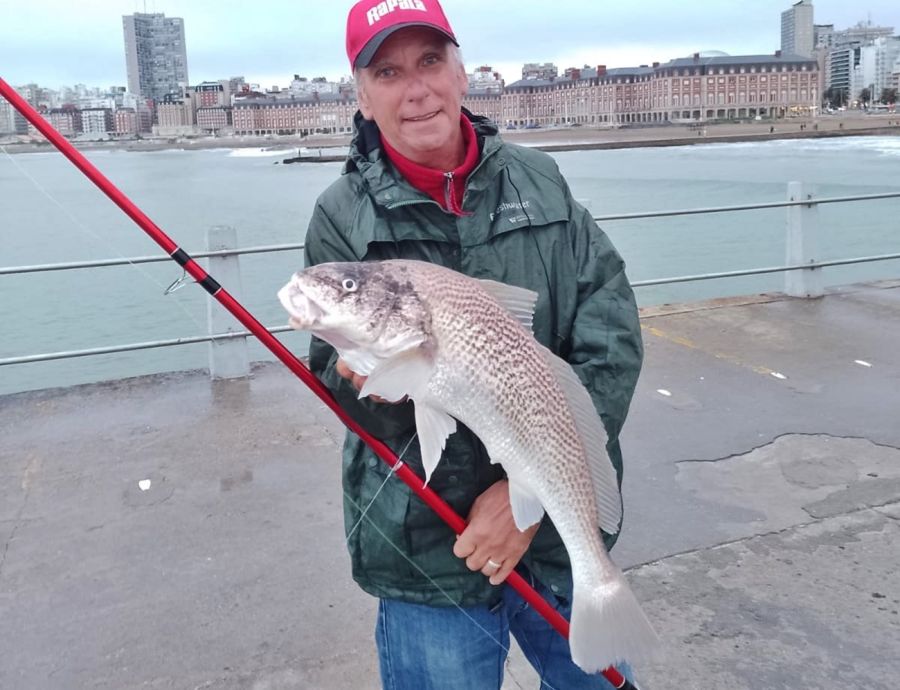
[[413, 89]]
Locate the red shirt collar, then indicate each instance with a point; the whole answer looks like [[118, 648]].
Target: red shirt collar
[[435, 183]]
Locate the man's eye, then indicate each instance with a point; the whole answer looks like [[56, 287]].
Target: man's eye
[[385, 72], [431, 59]]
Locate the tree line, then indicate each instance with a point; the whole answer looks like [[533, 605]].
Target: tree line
[[838, 97]]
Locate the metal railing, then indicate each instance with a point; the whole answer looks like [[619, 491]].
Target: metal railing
[[134, 260], [161, 258], [228, 356]]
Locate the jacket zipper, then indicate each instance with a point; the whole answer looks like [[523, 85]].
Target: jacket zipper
[[448, 191], [410, 202]]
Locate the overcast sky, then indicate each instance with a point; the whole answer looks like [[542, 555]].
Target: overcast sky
[[57, 42]]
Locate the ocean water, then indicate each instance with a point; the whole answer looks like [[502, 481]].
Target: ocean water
[[50, 213]]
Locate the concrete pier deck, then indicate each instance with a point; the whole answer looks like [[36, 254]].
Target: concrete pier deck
[[172, 532]]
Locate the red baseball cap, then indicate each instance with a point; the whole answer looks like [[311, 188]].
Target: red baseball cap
[[370, 22]]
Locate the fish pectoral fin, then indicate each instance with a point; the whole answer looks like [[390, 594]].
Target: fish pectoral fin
[[433, 426], [360, 361], [401, 375], [526, 508], [517, 301], [593, 438]]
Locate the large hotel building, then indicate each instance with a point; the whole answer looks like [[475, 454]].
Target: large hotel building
[[702, 88], [705, 87]]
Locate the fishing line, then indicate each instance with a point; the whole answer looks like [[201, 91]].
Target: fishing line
[[223, 297], [436, 585], [103, 242], [389, 475]]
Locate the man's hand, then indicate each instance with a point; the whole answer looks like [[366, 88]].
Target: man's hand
[[345, 372], [492, 535]]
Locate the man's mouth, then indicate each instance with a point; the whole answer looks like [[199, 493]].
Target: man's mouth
[[422, 118]]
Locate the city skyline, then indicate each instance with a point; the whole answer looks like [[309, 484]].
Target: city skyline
[[292, 38]]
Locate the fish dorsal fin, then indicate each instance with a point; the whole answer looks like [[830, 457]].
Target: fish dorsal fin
[[593, 439], [404, 374], [526, 508], [517, 301], [433, 426]]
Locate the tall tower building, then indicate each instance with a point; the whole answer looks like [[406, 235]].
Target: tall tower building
[[797, 30], [155, 54]]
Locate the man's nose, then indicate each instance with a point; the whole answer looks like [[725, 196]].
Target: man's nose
[[416, 89]]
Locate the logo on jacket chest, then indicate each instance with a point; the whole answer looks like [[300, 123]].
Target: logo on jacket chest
[[517, 211]]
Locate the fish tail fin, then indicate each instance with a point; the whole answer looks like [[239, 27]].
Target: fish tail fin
[[608, 625]]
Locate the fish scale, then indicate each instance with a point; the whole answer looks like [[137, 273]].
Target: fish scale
[[459, 348]]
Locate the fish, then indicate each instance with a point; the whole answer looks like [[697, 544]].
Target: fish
[[462, 349]]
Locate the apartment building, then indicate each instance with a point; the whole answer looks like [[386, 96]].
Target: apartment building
[[66, 121], [97, 121], [155, 55], [797, 30], [213, 118]]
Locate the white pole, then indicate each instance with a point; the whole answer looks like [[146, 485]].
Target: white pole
[[802, 243], [228, 359]]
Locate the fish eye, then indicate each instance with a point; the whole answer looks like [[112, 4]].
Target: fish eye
[[349, 285]]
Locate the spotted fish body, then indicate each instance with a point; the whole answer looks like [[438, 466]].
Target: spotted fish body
[[462, 349]]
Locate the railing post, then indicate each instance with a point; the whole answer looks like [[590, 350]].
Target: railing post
[[802, 243], [228, 359]]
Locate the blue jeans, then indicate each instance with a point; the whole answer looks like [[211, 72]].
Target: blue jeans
[[436, 648]]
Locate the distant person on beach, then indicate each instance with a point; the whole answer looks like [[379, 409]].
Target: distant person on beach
[[426, 179]]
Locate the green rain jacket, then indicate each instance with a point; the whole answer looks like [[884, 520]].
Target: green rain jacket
[[521, 227]]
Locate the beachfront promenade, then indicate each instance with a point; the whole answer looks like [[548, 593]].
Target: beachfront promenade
[[172, 532], [848, 123]]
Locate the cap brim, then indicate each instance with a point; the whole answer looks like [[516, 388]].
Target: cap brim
[[368, 52]]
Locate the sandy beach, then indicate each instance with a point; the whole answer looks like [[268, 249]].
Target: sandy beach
[[322, 146]]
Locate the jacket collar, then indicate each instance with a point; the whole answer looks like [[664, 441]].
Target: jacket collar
[[388, 189]]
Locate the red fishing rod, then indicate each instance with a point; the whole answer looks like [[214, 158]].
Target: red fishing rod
[[208, 283]]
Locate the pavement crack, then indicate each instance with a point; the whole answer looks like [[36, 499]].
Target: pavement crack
[[882, 513], [769, 533], [30, 470], [12, 534], [775, 439]]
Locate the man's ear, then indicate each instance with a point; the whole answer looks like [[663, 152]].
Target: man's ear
[[365, 106], [463, 81]]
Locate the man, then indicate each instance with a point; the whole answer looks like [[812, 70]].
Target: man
[[427, 180]]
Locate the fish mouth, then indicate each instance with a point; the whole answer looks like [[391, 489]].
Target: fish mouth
[[303, 310]]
